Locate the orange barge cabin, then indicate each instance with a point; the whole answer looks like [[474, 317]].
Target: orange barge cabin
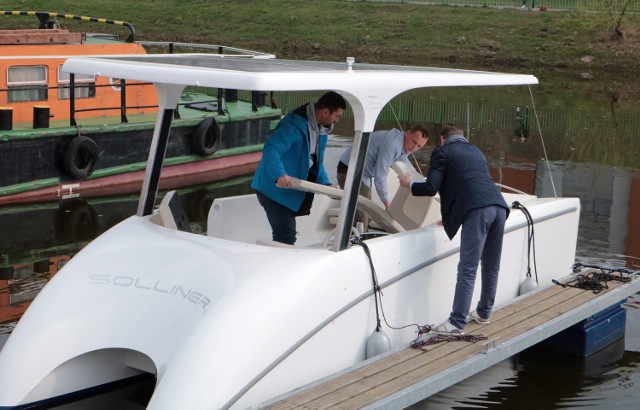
[[64, 134]]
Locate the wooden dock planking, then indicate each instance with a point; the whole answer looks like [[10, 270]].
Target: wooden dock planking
[[387, 374], [390, 374]]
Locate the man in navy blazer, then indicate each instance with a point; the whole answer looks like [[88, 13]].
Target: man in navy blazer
[[469, 199]]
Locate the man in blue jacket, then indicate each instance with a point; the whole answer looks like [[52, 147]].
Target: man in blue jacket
[[295, 149], [469, 198]]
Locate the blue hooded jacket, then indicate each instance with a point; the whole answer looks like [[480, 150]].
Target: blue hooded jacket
[[286, 151], [459, 171]]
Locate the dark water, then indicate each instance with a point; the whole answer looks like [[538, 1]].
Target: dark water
[[609, 235]]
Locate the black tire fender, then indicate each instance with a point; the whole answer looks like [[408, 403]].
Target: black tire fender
[[199, 205], [76, 221], [80, 157], [205, 139]]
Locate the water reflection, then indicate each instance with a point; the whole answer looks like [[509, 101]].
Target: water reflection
[[45, 236], [543, 379]]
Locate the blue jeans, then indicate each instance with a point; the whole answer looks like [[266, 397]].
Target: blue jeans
[[281, 219], [481, 240]]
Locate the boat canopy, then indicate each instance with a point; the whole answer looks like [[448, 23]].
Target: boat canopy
[[367, 88]]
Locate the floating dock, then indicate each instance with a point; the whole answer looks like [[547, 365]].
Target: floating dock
[[404, 377]]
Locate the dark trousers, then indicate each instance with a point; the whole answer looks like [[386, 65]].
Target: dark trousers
[[480, 241], [281, 219]]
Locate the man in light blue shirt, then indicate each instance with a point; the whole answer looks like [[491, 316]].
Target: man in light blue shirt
[[385, 147]]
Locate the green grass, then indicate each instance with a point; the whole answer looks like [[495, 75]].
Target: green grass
[[549, 45], [583, 5]]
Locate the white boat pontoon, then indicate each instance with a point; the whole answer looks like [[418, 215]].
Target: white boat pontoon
[[229, 318]]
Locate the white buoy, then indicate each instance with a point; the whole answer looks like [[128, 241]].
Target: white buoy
[[527, 286], [377, 343]]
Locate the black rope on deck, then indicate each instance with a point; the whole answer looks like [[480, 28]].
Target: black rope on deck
[[596, 281], [453, 337]]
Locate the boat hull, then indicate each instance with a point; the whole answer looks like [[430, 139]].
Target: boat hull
[[168, 302]]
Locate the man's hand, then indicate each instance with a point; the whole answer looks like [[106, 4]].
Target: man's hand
[[404, 180], [283, 181]]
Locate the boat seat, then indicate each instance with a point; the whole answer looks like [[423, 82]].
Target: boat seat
[[225, 212], [333, 213], [372, 209], [172, 213], [412, 211]]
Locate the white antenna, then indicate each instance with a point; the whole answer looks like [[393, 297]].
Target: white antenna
[[350, 61]]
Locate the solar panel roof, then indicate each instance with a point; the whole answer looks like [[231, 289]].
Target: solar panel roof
[[367, 87]]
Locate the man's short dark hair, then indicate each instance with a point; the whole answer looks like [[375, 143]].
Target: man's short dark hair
[[450, 129], [331, 100], [421, 129]]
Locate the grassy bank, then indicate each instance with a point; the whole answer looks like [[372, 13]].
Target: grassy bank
[[551, 45]]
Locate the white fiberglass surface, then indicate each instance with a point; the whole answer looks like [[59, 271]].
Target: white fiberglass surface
[[237, 288]]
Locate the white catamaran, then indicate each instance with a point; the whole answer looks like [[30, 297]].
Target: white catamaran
[[230, 318]]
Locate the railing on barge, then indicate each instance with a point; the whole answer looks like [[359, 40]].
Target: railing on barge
[[168, 47], [48, 32]]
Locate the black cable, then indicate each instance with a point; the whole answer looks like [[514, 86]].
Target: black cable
[[453, 337], [531, 243], [578, 265], [596, 281], [417, 343], [377, 292]]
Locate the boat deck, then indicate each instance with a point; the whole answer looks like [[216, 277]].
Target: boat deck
[[403, 377]]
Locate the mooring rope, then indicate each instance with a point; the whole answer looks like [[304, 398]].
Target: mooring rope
[[531, 242], [418, 343], [422, 344], [377, 291], [596, 281]]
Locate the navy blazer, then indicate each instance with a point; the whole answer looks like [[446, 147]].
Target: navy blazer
[[459, 171]]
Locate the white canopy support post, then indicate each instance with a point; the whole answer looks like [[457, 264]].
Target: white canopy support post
[[351, 190], [168, 95], [365, 112]]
